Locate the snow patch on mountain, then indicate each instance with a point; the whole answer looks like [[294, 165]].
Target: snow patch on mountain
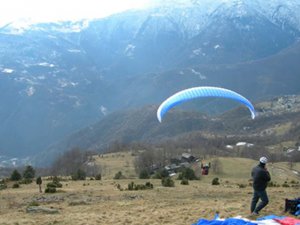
[[74, 50], [201, 76], [197, 51], [76, 101], [41, 77], [7, 162], [66, 83], [45, 64], [26, 80], [7, 70], [129, 50], [103, 110], [30, 91]]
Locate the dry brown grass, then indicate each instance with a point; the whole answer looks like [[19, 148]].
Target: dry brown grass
[[114, 162], [100, 202]]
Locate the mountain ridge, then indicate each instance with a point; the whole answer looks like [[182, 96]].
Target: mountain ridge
[[57, 78], [141, 126]]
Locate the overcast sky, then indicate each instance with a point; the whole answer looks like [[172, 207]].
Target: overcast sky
[[55, 10]]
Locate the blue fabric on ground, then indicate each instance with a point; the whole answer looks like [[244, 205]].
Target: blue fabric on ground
[[269, 217], [297, 213], [229, 221]]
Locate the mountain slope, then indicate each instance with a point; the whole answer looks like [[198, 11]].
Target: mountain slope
[[276, 124], [56, 78]]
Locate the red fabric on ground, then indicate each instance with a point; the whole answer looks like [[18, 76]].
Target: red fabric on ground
[[288, 221]]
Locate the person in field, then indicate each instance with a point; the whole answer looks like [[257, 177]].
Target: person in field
[[260, 176]]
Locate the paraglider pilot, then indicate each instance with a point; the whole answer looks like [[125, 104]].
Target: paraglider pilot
[[39, 182], [261, 177]]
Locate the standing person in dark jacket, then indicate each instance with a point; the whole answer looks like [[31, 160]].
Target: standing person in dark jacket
[[261, 177]]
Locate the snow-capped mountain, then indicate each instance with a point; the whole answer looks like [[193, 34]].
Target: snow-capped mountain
[[56, 78], [13, 162]]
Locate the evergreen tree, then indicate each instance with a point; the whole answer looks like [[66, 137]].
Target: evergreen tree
[[187, 173], [29, 172], [15, 176], [79, 175], [144, 174]]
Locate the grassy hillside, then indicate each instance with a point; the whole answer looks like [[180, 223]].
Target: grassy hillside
[[240, 169], [101, 202], [112, 163], [232, 168]]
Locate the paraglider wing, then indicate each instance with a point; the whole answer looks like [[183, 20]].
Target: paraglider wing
[[197, 92]]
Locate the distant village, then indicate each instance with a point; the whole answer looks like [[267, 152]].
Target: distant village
[[283, 104], [185, 160]]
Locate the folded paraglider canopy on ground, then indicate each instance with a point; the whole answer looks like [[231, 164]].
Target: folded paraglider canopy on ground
[[267, 220]]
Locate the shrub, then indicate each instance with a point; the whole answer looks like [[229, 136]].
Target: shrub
[[184, 181], [215, 181], [167, 182], [26, 181], [273, 184], [16, 185], [285, 184], [162, 173], [15, 176], [55, 183], [98, 176], [34, 203], [140, 187], [56, 179], [118, 175], [119, 187], [79, 175], [51, 184], [144, 174], [3, 186], [50, 190], [135, 187], [149, 185], [131, 186], [157, 175], [187, 173], [242, 185]]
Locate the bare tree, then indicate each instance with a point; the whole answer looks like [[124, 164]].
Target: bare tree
[[145, 161], [69, 162], [92, 168], [216, 166]]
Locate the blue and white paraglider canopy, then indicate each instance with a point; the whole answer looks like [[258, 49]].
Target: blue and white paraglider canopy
[[198, 92]]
